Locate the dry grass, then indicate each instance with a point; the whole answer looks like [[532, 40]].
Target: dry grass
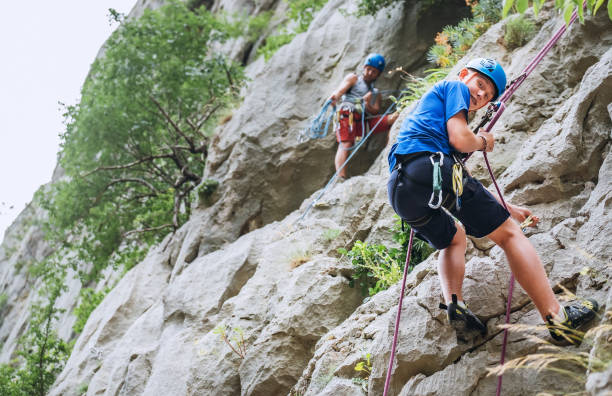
[[299, 257], [564, 361]]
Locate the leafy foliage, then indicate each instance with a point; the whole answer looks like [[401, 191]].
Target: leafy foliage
[[364, 369], [236, 341], [566, 6], [377, 267], [41, 353], [274, 43], [302, 13], [330, 234], [519, 30], [136, 144], [454, 41], [90, 299], [371, 7], [417, 86]]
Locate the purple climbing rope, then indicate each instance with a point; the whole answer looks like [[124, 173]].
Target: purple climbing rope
[[500, 107], [399, 313], [505, 97]]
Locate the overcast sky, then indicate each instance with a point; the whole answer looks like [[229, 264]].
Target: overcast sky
[[46, 48]]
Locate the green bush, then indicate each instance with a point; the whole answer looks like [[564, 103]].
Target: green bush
[[300, 11], [90, 299], [329, 234], [454, 41], [41, 353], [519, 30], [377, 267], [273, 44]]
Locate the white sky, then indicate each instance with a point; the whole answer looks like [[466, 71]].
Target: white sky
[[46, 48]]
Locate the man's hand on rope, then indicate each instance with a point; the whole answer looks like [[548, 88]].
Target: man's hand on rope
[[521, 215]]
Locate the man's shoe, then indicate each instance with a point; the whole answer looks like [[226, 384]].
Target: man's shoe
[[577, 314], [462, 319]]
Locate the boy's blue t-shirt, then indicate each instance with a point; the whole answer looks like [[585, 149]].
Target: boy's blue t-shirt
[[425, 128]]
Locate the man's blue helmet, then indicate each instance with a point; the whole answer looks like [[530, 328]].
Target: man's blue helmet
[[376, 60], [493, 70]]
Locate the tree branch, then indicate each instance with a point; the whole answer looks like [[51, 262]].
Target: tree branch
[[171, 121], [147, 229], [125, 166]]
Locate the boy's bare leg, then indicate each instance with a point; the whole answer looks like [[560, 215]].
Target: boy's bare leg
[[341, 156], [451, 266], [526, 266]]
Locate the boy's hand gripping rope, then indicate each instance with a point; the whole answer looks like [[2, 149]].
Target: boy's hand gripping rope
[[493, 113]]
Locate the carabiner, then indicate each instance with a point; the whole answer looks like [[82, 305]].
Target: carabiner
[[437, 181]]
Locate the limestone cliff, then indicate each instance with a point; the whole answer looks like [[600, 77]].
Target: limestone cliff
[[305, 329]]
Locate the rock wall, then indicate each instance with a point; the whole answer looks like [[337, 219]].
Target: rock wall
[[243, 262]]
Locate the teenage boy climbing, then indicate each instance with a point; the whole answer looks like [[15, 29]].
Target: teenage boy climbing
[[430, 138], [354, 95]]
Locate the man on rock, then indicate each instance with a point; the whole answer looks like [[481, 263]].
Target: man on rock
[[356, 96]]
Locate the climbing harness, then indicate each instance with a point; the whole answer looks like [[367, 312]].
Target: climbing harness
[[494, 111], [317, 128], [437, 181], [351, 110]]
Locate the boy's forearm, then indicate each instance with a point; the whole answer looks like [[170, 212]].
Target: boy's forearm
[[465, 141]]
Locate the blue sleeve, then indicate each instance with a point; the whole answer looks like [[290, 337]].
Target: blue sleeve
[[456, 99]]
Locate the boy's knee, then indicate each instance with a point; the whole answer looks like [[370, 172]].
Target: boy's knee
[[459, 237], [506, 234]]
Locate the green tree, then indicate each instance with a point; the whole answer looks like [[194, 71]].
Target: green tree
[[136, 144], [41, 353]]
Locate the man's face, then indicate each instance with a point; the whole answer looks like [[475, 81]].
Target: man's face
[[370, 73], [481, 88]]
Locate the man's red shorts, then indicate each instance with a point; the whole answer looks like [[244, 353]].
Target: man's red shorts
[[344, 132]]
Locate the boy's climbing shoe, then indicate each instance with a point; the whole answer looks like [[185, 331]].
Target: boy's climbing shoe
[[462, 319], [576, 315]]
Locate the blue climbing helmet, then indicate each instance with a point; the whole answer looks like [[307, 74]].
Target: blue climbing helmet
[[377, 61], [493, 70]]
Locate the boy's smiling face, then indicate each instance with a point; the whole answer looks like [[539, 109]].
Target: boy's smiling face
[[481, 88]]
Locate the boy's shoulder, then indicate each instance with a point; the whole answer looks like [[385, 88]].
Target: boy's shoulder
[[450, 84], [453, 88]]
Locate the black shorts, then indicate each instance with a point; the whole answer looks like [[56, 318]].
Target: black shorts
[[410, 188]]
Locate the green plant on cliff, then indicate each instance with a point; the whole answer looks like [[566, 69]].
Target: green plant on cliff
[[454, 41], [41, 353], [519, 30], [566, 6], [377, 267], [301, 13], [363, 369], [90, 299], [135, 145], [235, 341]]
